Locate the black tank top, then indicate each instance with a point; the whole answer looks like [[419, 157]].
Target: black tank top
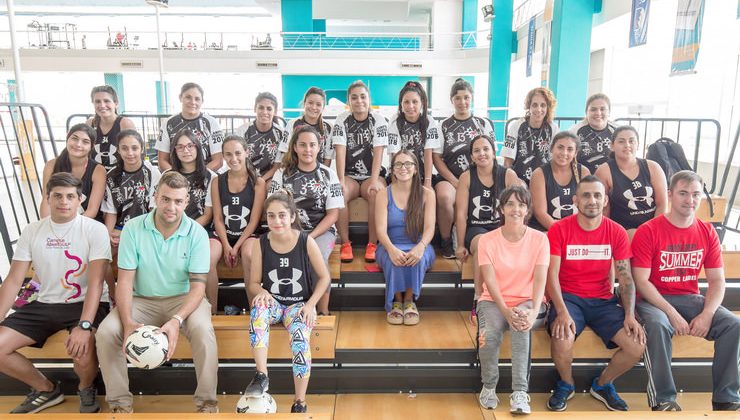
[[483, 201], [87, 186], [106, 144], [632, 201], [287, 276], [236, 207], [559, 197]]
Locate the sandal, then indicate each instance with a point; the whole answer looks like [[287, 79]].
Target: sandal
[[395, 316], [410, 314]]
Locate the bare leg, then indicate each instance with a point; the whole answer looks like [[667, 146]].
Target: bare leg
[[624, 359], [86, 367], [351, 190], [260, 359], [301, 385], [445, 208], [246, 256], [562, 357], [16, 365], [370, 197]]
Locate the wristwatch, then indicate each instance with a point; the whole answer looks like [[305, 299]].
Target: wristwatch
[[85, 325]]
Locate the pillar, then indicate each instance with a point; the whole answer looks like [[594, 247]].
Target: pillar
[[499, 63]]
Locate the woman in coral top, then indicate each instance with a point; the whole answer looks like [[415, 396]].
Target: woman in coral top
[[513, 261]]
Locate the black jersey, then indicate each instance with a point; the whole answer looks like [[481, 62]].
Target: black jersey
[[404, 135], [129, 194], [325, 149], [87, 183], [559, 197], [106, 144], [360, 137], [631, 201], [236, 207], [262, 147], [287, 276], [456, 138], [199, 193], [205, 128], [483, 200], [595, 144], [529, 147]]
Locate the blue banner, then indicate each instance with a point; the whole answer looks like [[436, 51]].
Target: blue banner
[[687, 37], [530, 45], [639, 22]]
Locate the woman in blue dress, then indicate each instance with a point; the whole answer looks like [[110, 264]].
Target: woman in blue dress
[[405, 223]]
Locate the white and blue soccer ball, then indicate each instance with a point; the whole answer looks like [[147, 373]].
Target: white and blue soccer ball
[[264, 404], [146, 348]]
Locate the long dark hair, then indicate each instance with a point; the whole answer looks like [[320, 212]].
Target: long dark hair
[[129, 133], [104, 89], [286, 198], [414, 86], [549, 100], [474, 167], [290, 160], [201, 170], [251, 173], [573, 163], [415, 204], [313, 90], [62, 163]]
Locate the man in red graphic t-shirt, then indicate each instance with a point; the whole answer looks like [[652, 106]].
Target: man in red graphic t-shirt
[[668, 254], [582, 248]]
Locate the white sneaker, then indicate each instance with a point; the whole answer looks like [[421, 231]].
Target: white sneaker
[[487, 398], [519, 401]]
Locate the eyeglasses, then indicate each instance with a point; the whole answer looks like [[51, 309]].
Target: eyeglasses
[[183, 147], [407, 165]]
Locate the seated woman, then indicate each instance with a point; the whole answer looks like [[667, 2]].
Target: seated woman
[[107, 124], [405, 221], [636, 187], [264, 136], [283, 289], [513, 262], [476, 204], [316, 190], [554, 184], [76, 159], [314, 101], [595, 132], [187, 158]]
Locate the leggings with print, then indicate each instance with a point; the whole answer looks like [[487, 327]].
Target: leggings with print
[[259, 334]]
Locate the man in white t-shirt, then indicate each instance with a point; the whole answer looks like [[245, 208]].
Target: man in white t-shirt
[[69, 253]]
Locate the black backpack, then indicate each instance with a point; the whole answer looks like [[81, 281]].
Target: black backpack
[[670, 156]]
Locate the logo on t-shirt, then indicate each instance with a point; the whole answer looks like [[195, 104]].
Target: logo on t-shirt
[[588, 252], [681, 260], [54, 243]]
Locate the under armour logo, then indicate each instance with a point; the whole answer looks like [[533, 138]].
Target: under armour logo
[[360, 167], [462, 162], [478, 208], [647, 198], [561, 210], [230, 218], [276, 282]]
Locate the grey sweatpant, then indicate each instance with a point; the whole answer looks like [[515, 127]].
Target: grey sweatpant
[[724, 331], [491, 327]]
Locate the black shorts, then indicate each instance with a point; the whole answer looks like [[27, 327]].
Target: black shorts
[[472, 231], [40, 321], [436, 179], [604, 316]]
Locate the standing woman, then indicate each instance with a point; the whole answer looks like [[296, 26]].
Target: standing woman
[[317, 193], [405, 223], [554, 184], [477, 200], [205, 127], [412, 129], [314, 101], [451, 158], [76, 159], [107, 124], [513, 262], [238, 195], [527, 143], [286, 252], [359, 137], [636, 187], [264, 136], [595, 132]]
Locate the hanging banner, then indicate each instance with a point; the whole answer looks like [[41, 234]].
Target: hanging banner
[[687, 37], [531, 34], [639, 22]]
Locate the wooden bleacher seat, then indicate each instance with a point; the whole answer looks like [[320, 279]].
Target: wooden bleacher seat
[[226, 272], [358, 210]]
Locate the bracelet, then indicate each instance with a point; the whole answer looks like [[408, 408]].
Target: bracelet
[[178, 318]]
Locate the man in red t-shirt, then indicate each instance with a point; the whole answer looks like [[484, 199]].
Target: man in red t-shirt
[[668, 253], [582, 248]]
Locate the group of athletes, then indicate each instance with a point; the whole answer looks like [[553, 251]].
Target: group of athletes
[[549, 231]]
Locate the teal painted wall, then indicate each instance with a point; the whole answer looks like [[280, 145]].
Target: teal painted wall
[[499, 63], [115, 80], [297, 16], [469, 22]]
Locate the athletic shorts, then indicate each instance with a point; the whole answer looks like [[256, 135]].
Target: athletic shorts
[[436, 179], [604, 316], [40, 321], [472, 231]]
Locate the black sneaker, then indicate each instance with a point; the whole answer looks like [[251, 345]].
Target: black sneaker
[[558, 401], [667, 406], [446, 248], [726, 406], [299, 407], [259, 385], [40, 400], [608, 395], [88, 402]]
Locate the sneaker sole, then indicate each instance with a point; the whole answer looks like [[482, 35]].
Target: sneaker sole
[[520, 412], [600, 398], [572, 393], [51, 403], [449, 257], [345, 260]]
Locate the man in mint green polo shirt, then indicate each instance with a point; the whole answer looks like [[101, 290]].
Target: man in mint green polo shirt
[[163, 259]]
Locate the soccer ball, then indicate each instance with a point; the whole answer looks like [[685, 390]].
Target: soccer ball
[[262, 404], [145, 348]]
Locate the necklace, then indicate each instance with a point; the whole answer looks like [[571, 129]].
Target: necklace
[[51, 227]]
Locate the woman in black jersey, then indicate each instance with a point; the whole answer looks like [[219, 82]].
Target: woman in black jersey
[[636, 187], [595, 132], [282, 289], [264, 136], [527, 143], [107, 124], [237, 195], [554, 184], [476, 204], [314, 101], [452, 157], [76, 159]]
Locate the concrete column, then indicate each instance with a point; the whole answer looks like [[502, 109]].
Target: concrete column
[[499, 67]]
